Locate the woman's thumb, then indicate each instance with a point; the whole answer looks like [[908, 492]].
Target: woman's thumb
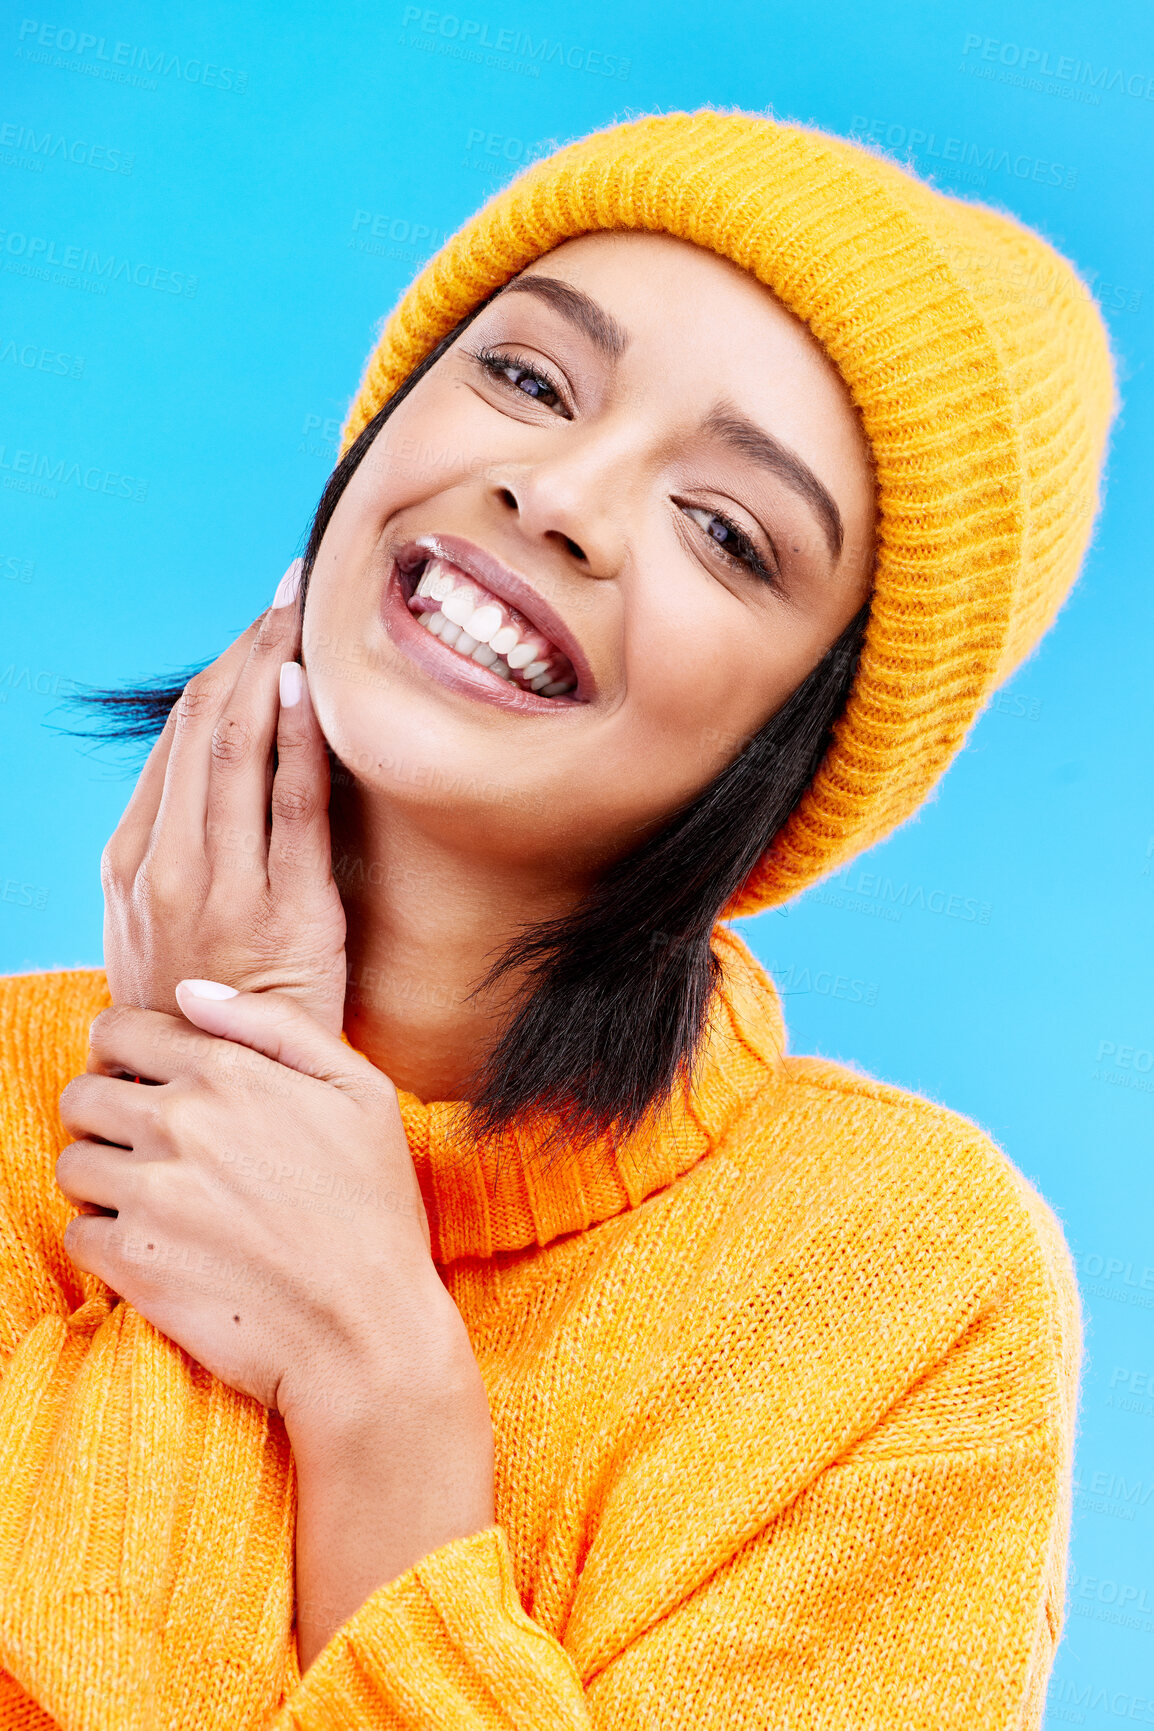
[[275, 1025]]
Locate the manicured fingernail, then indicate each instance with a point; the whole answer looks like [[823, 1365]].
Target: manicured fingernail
[[208, 989], [286, 589], [291, 683]]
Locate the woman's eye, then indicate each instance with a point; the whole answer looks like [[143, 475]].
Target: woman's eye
[[730, 539], [520, 376]]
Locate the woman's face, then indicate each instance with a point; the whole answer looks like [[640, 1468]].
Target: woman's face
[[642, 482]]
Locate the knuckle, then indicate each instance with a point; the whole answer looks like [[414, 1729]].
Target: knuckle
[[292, 802], [274, 628], [70, 1097], [230, 740], [176, 1116], [65, 1164], [107, 1021], [111, 862], [200, 697], [160, 882]]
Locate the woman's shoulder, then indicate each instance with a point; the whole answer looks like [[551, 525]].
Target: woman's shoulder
[[917, 1242], [898, 1145], [846, 1142]]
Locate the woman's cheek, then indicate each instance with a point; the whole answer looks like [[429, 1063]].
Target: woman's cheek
[[696, 684]]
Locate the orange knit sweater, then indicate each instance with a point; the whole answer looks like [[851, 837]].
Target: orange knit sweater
[[784, 1402]]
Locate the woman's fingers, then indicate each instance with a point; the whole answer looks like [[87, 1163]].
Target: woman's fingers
[[299, 849], [240, 752], [179, 827], [92, 1176], [218, 762], [129, 841], [133, 834]]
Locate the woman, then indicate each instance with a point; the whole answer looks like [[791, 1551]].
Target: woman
[[478, 1261]]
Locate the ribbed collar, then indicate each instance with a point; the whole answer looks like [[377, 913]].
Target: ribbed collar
[[505, 1196]]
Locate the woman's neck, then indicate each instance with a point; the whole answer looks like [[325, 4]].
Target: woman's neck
[[426, 921]]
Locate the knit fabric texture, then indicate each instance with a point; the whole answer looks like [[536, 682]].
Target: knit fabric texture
[[976, 357], [783, 1398]]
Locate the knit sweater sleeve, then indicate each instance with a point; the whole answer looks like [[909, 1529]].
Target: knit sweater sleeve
[[913, 1588], [792, 1630]]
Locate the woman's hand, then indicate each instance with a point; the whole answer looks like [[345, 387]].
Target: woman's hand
[[268, 1217], [218, 867], [269, 1221]]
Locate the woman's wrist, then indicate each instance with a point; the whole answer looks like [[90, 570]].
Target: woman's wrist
[[385, 1475], [349, 1395]]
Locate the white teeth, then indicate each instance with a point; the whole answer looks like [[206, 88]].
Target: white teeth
[[435, 581], [484, 623], [459, 607], [474, 628]]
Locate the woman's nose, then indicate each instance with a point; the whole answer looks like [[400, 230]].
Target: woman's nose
[[507, 497], [567, 508]]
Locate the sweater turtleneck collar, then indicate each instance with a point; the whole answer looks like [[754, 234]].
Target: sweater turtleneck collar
[[507, 1195]]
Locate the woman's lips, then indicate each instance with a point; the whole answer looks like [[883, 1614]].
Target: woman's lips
[[506, 586], [480, 627], [456, 671]]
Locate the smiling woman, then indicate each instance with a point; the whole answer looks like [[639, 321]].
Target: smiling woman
[[587, 480], [695, 499]]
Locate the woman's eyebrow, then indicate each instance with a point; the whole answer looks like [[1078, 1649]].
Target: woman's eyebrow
[[749, 440], [580, 309]]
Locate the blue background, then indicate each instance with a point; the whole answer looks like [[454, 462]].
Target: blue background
[[995, 955]]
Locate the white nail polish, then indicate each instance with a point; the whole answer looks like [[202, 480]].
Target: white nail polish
[[291, 683], [208, 989], [286, 589]]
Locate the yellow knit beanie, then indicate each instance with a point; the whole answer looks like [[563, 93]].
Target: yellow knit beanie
[[976, 357]]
